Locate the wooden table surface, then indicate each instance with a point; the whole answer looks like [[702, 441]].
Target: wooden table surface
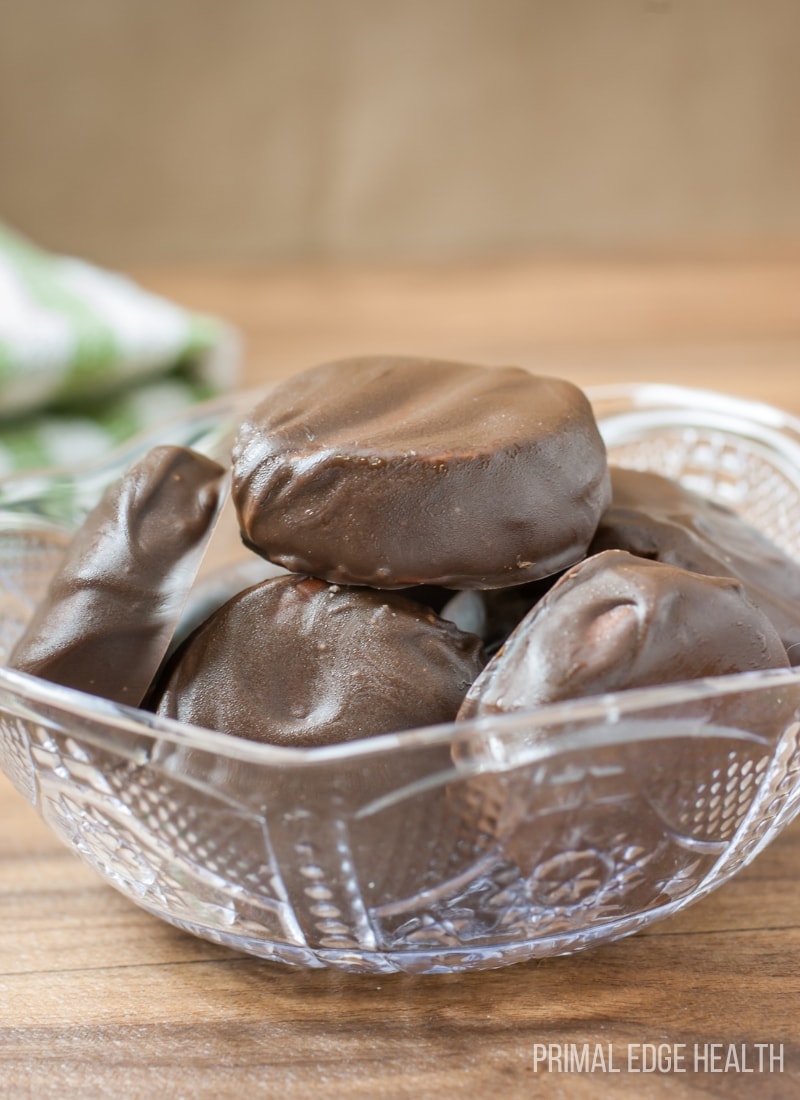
[[99, 999]]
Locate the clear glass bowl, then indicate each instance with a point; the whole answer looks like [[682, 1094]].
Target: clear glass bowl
[[445, 848]]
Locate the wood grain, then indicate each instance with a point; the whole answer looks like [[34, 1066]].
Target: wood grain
[[97, 998], [719, 323]]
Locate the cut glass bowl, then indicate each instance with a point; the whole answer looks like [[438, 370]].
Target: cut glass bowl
[[439, 849]]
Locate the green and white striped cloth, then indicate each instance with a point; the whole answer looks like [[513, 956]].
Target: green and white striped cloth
[[88, 358]]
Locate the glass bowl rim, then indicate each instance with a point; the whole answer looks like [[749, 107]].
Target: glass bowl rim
[[511, 730]]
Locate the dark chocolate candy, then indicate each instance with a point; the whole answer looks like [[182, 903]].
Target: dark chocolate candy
[[617, 621], [296, 661], [392, 472], [109, 613], [654, 517]]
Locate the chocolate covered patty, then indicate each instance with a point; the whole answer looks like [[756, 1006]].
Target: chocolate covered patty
[[617, 621], [110, 611], [295, 661], [393, 472], [657, 518]]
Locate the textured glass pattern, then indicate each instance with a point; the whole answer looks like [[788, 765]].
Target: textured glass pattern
[[445, 848]]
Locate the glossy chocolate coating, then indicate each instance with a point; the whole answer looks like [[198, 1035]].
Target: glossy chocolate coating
[[617, 621], [654, 517], [109, 613], [296, 661], [393, 472]]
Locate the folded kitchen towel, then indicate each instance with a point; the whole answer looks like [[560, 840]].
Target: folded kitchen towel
[[87, 357]]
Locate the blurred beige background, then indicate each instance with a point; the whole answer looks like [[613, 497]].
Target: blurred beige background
[[138, 131]]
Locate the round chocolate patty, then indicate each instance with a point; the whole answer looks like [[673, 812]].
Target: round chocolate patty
[[654, 517], [617, 621], [295, 661], [111, 609], [392, 472]]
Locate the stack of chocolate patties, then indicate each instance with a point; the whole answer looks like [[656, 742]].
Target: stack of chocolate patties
[[383, 485], [430, 516]]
